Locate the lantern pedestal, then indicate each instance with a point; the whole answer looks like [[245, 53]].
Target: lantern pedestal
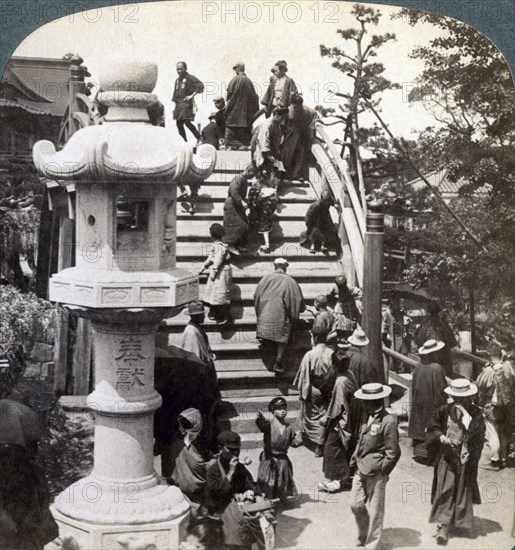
[[123, 503]]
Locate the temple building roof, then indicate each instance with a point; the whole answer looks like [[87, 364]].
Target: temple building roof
[[35, 84]]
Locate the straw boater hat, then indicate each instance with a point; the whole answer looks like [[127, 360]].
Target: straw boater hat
[[461, 387], [372, 391], [431, 346], [359, 338], [195, 308]]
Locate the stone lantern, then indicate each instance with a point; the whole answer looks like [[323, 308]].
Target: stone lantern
[[125, 280]]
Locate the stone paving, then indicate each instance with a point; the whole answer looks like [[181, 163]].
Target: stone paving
[[324, 521]]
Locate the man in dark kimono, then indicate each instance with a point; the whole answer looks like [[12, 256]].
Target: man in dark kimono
[[427, 395], [186, 88], [458, 430], [220, 114], [435, 327], [360, 366], [211, 133], [242, 105], [278, 302], [300, 130], [320, 233], [236, 223]]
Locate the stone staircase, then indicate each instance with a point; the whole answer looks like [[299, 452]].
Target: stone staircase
[[246, 383]]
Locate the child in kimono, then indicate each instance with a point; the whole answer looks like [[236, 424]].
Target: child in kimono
[[217, 292], [275, 472]]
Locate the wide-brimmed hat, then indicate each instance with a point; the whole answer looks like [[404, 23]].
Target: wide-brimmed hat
[[461, 387], [343, 345], [372, 391], [195, 308], [276, 403], [281, 261], [359, 338], [431, 346]]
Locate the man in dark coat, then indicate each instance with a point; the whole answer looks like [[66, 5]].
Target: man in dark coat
[[278, 302], [186, 88], [211, 132], [220, 114], [300, 130], [435, 327], [242, 105], [236, 223], [427, 394], [320, 232], [360, 366], [280, 90]]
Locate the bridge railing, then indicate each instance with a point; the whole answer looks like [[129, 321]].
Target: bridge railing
[[351, 225]]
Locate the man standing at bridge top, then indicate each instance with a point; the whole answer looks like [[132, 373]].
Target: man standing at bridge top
[[186, 88], [242, 105], [279, 302]]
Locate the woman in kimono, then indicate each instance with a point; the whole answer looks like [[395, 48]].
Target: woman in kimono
[[235, 218], [275, 473], [185, 462], [459, 431], [217, 292], [338, 439], [262, 203]]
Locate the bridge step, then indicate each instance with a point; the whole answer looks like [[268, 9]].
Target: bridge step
[[216, 191], [208, 210]]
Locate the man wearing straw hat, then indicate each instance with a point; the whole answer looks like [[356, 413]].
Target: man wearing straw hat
[[360, 366], [458, 431], [427, 395], [376, 455]]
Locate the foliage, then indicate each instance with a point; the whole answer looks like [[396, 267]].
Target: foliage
[[24, 318], [467, 86]]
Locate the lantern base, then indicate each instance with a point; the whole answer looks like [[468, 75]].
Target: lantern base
[[161, 535]]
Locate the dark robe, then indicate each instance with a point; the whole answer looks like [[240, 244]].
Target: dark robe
[[427, 396], [319, 226], [211, 134], [235, 219], [185, 85], [278, 302], [455, 487], [297, 140], [338, 446], [220, 121], [361, 367], [242, 105]]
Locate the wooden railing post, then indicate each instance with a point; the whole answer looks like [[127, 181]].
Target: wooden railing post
[[373, 286]]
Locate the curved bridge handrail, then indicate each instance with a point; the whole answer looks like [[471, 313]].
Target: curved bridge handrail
[[352, 221], [351, 190]]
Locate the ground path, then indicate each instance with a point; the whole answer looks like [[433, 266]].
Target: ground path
[[324, 521]]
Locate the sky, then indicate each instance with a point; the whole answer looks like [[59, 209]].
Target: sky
[[213, 36]]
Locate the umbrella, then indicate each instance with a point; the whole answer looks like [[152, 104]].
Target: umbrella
[[406, 291]]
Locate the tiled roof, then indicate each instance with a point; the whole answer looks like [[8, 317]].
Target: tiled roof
[[438, 179], [41, 83], [27, 106]]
